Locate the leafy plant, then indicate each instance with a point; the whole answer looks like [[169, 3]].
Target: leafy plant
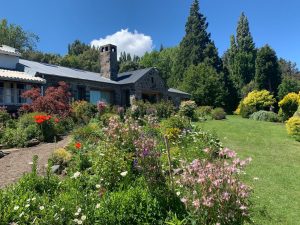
[[265, 116], [218, 114], [288, 105], [293, 127]]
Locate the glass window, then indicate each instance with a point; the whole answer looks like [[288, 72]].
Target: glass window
[[103, 96]]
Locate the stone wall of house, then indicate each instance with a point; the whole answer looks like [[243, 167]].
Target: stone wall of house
[[151, 83], [88, 85]]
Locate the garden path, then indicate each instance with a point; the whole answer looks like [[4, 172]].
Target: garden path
[[19, 161]]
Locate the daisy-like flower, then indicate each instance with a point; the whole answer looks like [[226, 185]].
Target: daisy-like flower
[[76, 175], [98, 186], [33, 199], [123, 174], [83, 217], [16, 207], [76, 214], [177, 193], [27, 205], [42, 207], [98, 206], [79, 222], [79, 210]]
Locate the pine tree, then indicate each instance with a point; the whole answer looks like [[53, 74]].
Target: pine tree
[[196, 46], [267, 73], [241, 55]]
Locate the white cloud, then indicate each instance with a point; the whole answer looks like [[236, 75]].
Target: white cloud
[[134, 43]]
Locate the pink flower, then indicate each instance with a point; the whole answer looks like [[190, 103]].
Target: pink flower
[[196, 203]]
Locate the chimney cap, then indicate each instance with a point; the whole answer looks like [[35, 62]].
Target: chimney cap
[[108, 48]]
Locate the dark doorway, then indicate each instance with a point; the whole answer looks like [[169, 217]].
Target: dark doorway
[[81, 93], [152, 98]]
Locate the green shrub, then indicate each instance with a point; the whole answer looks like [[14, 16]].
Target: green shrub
[[293, 127], [104, 118], [83, 111], [265, 116], [64, 125], [218, 114], [202, 112], [89, 133], [187, 108], [164, 109], [288, 105], [175, 122], [13, 138]]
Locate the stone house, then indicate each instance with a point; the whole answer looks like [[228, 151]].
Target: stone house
[[18, 75]]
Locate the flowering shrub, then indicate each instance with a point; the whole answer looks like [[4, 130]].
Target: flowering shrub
[[101, 106], [61, 157], [293, 127], [288, 105], [212, 191], [255, 101], [55, 101], [83, 111], [187, 108]]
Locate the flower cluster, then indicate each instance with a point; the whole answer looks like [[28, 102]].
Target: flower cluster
[[214, 190], [41, 118], [101, 106]]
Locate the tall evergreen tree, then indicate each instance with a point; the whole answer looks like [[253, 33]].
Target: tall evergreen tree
[[241, 55], [267, 73], [196, 46]]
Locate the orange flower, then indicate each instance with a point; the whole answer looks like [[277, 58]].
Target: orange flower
[[78, 145]]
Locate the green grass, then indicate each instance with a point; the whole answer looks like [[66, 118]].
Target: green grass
[[276, 162]]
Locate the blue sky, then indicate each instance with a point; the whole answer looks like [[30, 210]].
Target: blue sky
[[59, 22]]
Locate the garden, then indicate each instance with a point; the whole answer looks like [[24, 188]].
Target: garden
[[151, 163]]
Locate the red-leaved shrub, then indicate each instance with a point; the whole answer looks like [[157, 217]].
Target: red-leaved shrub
[[56, 100]]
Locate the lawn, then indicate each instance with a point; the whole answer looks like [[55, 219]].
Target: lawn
[[276, 164]]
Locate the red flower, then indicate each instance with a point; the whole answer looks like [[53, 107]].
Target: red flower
[[56, 120], [78, 145]]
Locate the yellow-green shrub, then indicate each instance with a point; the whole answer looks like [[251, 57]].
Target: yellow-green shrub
[[288, 105], [172, 133], [255, 101], [61, 156], [293, 127]]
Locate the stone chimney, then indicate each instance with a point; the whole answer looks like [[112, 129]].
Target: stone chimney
[[108, 61]]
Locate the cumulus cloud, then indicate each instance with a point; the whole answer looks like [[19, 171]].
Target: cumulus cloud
[[134, 43]]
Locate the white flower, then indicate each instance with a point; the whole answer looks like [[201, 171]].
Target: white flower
[[98, 206], [79, 222], [76, 214], [98, 186], [123, 174], [79, 210], [255, 178], [28, 200], [177, 193], [42, 207], [76, 175], [16, 207], [83, 217], [33, 199], [75, 220], [62, 209], [22, 213], [27, 205]]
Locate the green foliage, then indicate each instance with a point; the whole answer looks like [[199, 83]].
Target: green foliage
[[206, 86], [267, 73], [83, 111], [289, 84], [164, 109], [218, 114], [91, 133], [15, 36], [175, 122], [240, 58], [4, 116], [196, 46], [293, 127], [288, 105], [61, 156], [264, 116], [297, 113], [203, 112], [163, 60]]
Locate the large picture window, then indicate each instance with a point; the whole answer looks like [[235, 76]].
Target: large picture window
[[103, 96]]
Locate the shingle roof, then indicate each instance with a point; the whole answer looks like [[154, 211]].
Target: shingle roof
[[173, 90], [20, 76], [32, 67], [4, 49], [44, 68], [132, 76]]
